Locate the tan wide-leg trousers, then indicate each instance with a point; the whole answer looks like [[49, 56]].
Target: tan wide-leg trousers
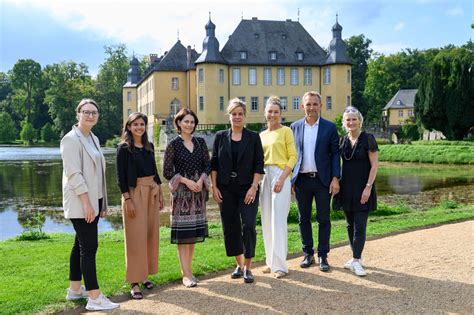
[[142, 232]]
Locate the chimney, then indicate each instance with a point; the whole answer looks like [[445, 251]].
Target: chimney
[[188, 55], [153, 57]]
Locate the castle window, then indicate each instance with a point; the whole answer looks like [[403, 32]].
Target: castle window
[[267, 76], [273, 55], [243, 55], [327, 75], [254, 105], [328, 103], [308, 76], [265, 100], [349, 76], [294, 76], [201, 103], [410, 113], [221, 75], [348, 100], [201, 75], [281, 76], [296, 103], [236, 76], [284, 103], [174, 83], [299, 55], [400, 113], [221, 103], [252, 76], [241, 98], [129, 111], [129, 96]]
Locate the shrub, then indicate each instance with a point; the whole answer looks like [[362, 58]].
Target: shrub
[[48, 134], [8, 132], [34, 228], [113, 142], [448, 204], [28, 133]]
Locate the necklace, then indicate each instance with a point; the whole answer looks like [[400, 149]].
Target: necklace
[[353, 150]]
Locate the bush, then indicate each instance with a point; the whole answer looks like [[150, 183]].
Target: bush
[[34, 228], [28, 133], [338, 122], [382, 141], [448, 204], [48, 134], [113, 142], [409, 132], [257, 127], [219, 127], [8, 132]]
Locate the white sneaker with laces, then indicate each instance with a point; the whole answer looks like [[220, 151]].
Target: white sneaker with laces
[[101, 303], [77, 295], [348, 264], [358, 269]]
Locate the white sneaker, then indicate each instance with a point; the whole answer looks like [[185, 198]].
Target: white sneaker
[[357, 268], [348, 264], [101, 303], [77, 295]]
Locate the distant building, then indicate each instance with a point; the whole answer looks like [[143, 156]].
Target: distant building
[[400, 109], [261, 58]]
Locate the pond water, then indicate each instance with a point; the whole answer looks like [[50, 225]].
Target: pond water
[[30, 181]]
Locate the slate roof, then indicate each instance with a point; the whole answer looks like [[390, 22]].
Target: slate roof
[[210, 46], [337, 47], [402, 99], [175, 59], [260, 37]]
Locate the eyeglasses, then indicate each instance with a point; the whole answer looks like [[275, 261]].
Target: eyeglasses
[[351, 109], [89, 113]]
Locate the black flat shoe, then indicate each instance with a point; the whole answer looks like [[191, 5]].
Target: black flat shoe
[[248, 276], [307, 261], [238, 273], [323, 264], [136, 295]]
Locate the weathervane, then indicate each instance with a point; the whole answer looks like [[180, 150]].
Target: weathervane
[[298, 14]]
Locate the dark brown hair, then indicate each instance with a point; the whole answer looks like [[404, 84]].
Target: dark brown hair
[[127, 136], [181, 114]]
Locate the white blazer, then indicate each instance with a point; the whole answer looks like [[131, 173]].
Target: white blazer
[[80, 174]]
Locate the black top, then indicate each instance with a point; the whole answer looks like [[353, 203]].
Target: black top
[[249, 160], [235, 154], [179, 160], [355, 172], [133, 164]]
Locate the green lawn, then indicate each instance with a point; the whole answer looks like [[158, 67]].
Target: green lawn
[[461, 152], [33, 274]]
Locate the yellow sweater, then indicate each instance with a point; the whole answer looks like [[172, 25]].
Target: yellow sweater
[[279, 147]]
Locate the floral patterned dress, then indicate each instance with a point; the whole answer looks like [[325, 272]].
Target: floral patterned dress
[[188, 214]]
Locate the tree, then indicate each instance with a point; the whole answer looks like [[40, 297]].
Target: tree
[[8, 131], [445, 98], [360, 53], [28, 133], [48, 134], [68, 83], [26, 77], [5, 86], [110, 80]]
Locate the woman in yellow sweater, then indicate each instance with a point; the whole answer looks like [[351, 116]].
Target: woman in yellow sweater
[[280, 158]]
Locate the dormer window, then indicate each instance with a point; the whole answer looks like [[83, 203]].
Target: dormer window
[[299, 55], [398, 102], [273, 55], [243, 55]]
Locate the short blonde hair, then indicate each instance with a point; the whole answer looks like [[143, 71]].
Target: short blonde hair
[[311, 93], [274, 100], [234, 103], [351, 110]]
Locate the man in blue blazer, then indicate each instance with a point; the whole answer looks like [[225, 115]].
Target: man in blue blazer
[[315, 176]]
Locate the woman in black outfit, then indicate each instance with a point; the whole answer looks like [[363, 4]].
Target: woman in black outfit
[[359, 152], [237, 165]]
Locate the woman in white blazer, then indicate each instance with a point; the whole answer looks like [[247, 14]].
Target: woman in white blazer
[[84, 200]]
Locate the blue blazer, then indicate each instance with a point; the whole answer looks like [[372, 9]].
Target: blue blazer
[[326, 154]]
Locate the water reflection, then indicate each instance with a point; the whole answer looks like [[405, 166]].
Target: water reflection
[[30, 181]]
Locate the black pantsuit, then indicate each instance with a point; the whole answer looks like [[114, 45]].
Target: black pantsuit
[[82, 259], [238, 220], [308, 189]]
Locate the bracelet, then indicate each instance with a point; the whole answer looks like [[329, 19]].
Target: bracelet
[[368, 185], [127, 198]]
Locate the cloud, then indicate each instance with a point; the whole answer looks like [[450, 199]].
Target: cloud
[[389, 48], [399, 26], [456, 11]]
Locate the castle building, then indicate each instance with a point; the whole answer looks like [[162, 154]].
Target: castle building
[[261, 58]]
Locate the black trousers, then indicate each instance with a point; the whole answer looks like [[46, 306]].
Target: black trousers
[[307, 189], [356, 230], [238, 220], [82, 259]]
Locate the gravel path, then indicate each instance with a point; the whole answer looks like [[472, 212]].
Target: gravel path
[[421, 272]]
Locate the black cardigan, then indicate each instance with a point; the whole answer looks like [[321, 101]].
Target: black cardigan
[[126, 168]]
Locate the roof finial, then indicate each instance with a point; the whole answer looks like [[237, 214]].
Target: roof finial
[[298, 14], [209, 15], [336, 17], [241, 15], [177, 31]]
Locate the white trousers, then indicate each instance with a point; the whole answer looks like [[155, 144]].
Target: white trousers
[[274, 209]]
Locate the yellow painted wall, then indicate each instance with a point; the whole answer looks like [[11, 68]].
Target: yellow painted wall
[[191, 89], [395, 120], [128, 106], [339, 89], [211, 89]]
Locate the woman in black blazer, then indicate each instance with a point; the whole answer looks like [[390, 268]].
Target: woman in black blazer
[[237, 165]]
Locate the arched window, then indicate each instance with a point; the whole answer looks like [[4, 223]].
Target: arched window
[[175, 106]]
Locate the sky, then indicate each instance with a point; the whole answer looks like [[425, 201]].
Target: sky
[[52, 31]]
